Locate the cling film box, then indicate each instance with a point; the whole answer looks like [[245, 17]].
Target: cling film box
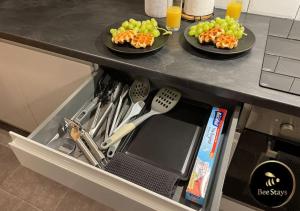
[[206, 156]]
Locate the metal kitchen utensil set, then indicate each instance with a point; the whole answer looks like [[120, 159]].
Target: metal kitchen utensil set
[[114, 110]]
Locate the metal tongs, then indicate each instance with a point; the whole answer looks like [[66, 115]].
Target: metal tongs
[[105, 86], [122, 96], [113, 95]]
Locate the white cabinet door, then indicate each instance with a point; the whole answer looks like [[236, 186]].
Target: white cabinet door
[[35, 83], [13, 107]]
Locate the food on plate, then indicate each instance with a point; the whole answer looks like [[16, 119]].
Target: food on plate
[[226, 41], [142, 40], [211, 35], [122, 37], [142, 32], [209, 31]]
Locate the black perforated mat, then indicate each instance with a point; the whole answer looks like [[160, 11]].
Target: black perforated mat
[[143, 174]]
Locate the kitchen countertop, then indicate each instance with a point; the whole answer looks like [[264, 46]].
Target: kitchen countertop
[[73, 28]]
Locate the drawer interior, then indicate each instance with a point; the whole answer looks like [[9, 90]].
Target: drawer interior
[[189, 110]]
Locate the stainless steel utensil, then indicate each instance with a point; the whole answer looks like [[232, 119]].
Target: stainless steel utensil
[[136, 109], [93, 131], [75, 135], [97, 115], [114, 96], [120, 102], [100, 157], [123, 111], [79, 116], [108, 122], [84, 114], [164, 101], [104, 92]]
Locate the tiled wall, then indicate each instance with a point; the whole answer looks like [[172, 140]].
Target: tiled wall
[[276, 8]]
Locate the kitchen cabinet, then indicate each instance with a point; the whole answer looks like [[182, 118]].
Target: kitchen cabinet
[[101, 185], [34, 83], [13, 106]]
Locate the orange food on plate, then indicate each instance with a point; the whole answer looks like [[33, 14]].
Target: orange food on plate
[[226, 41], [142, 40], [210, 35], [123, 37]]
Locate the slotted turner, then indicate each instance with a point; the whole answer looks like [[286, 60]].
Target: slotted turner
[[139, 91], [164, 101]]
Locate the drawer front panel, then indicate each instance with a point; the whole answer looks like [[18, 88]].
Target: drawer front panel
[[95, 183]]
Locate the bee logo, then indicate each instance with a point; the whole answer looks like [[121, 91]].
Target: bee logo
[[272, 180]]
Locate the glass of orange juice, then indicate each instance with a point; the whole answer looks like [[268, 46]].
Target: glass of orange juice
[[234, 9], [174, 15]]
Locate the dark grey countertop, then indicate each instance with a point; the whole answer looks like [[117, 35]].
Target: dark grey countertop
[[73, 28]]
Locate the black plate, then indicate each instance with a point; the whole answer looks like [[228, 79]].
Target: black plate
[[245, 44], [126, 48]]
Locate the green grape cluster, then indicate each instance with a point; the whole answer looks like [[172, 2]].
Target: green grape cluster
[[146, 26], [228, 24]]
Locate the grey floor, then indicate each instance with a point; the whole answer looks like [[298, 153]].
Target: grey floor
[[24, 190]]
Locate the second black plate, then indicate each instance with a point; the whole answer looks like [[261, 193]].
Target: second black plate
[[159, 42], [245, 44]]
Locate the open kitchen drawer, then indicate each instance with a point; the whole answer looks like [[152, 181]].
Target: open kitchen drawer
[[96, 183]]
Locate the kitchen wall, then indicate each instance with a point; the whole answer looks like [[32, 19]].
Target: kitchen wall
[[277, 8]]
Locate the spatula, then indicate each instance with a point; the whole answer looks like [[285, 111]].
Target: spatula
[[164, 101]]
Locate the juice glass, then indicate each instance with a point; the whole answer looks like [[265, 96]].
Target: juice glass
[[174, 15], [234, 9]]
